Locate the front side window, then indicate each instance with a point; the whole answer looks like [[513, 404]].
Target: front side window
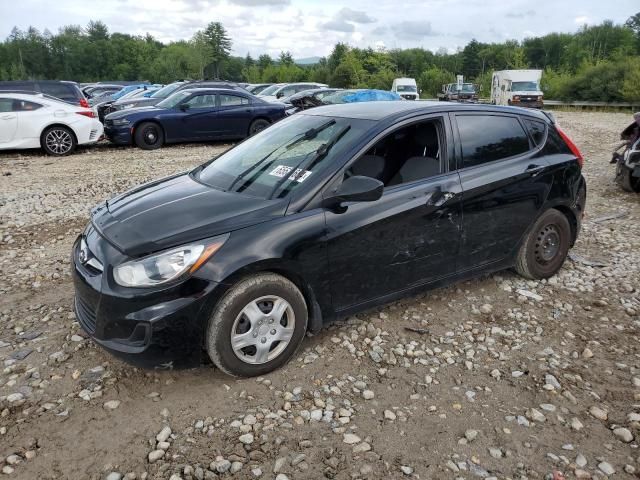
[[283, 157], [485, 138], [202, 101], [407, 155], [232, 100]]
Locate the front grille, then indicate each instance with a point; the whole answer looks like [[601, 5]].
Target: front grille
[[86, 315]]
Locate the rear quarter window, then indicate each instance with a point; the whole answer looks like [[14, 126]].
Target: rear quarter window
[[486, 138], [537, 130]]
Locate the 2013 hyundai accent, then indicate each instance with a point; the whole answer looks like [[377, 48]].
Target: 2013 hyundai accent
[[324, 214]]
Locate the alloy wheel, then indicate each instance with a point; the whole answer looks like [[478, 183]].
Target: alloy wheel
[[263, 329], [59, 141]]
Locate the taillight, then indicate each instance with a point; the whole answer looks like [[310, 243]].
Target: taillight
[[84, 103], [572, 146], [87, 113]]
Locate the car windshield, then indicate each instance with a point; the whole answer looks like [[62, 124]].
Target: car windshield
[[468, 88], [270, 90], [406, 88], [524, 86], [174, 99], [281, 158], [165, 91]]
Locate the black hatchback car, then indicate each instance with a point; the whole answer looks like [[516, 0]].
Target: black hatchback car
[[326, 213]]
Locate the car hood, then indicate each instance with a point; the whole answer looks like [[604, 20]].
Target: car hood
[[129, 111], [174, 211]]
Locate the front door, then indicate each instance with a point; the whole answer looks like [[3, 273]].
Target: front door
[[196, 120], [410, 236]]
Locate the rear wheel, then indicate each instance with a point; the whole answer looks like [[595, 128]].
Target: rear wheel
[[257, 326], [545, 247], [258, 125], [149, 136], [58, 141]]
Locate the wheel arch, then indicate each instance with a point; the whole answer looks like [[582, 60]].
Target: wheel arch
[[58, 124], [315, 320], [137, 123]]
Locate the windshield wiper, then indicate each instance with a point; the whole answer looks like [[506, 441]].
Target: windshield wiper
[[309, 134], [302, 165]]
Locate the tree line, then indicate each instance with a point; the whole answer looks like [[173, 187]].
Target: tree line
[[598, 62]]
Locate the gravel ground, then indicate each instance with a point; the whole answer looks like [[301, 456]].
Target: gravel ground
[[499, 378]]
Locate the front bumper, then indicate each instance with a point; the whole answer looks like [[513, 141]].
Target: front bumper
[[118, 135], [152, 328]]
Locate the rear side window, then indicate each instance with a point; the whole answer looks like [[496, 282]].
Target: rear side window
[[232, 100], [63, 91], [486, 138], [6, 105], [24, 106], [537, 130]]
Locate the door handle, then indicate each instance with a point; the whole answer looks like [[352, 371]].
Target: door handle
[[439, 198], [534, 169], [8, 117]]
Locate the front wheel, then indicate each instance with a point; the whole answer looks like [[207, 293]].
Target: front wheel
[[258, 125], [257, 326], [149, 136], [545, 247], [626, 179], [58, 141]]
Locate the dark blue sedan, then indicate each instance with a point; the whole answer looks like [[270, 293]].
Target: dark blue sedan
[[197, 114]]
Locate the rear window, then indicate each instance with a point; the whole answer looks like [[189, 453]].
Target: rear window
[[486, 138], [537, 130], [63, 91]]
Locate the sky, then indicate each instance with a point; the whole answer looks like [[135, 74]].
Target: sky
[[310, 28]]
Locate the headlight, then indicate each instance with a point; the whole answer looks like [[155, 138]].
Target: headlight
[[120, 122], [166, 266], [128, 105]]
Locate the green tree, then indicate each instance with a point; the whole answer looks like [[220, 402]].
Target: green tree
[[219, 45]]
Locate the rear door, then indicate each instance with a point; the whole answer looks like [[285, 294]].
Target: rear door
[[8, 120], [234, 115], [505, 182]]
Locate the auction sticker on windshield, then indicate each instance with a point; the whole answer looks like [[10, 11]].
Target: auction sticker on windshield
[[299, 175]]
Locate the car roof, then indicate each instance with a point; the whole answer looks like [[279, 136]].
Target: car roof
[[395, 109], [232, 91]]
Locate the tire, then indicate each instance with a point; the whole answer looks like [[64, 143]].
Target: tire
[[258, 125], [545, 247], [58, 141], [244, 314], [626, 179], [149, 136]]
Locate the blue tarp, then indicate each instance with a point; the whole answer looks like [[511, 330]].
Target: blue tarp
[[370, 96]]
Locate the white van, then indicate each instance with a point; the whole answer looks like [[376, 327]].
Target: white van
[[517, 87], [406, 88]]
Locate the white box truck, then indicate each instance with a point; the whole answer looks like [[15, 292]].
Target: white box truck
[[519, 88], [406, 88]]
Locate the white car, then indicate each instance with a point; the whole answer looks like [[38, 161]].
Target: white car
[[41, 121], [280, 90]]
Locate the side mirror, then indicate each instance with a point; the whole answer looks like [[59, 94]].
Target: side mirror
[[184, 107], [356, 189], [279, 94]]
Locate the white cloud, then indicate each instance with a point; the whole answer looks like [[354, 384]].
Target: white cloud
[[308, 28]]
